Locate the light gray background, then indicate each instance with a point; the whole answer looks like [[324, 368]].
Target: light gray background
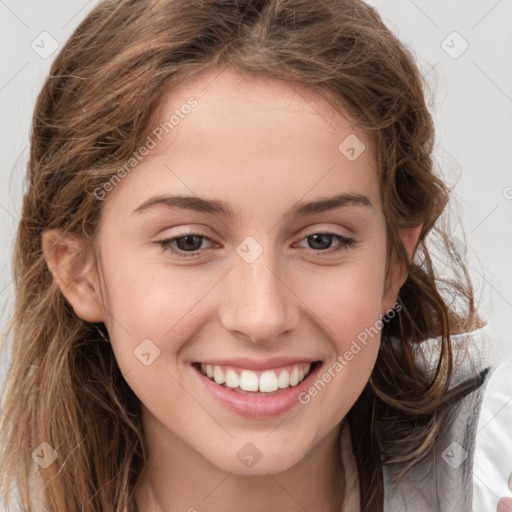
[[471, 98]]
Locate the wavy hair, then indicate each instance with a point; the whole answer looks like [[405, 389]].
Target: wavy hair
[[95, 109]]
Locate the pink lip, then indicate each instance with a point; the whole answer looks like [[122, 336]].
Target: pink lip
[[254, 364], [257, 406]]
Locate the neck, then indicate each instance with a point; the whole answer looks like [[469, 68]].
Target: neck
[[185, 481]]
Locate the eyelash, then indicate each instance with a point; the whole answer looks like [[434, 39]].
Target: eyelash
[[345, 243]]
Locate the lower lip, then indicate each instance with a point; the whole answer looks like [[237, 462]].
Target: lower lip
[[258, 406]]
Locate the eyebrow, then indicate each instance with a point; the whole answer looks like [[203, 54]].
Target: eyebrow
[[213, 206]]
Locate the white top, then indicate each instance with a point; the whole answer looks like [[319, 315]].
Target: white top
[[492, 458], [470, 469], [492, 475]]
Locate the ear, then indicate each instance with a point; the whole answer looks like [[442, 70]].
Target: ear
[[73, 265], [397, 270]]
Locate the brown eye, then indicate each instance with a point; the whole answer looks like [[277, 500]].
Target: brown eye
[[189, 242], [322, 242], [184, 245]]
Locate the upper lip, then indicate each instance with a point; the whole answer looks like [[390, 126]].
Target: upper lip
[[255, 364]]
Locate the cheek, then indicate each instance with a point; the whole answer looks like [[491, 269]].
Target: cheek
[[153, 301], [154, 313], [348, 299], [347, 306]]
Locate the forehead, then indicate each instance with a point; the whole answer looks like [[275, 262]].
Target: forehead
[[257, 142], [231, 101]]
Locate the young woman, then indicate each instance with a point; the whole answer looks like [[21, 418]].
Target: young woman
[[223, 273]]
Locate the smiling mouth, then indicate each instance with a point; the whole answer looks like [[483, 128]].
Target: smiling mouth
[[262, 383]]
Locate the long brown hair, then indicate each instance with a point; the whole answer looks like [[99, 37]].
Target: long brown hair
[[94, 110]]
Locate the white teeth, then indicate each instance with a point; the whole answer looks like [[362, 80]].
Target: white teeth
[[268, 381], [218, 375], [294, 377], [248, 380], [284, 379], [232, 379]]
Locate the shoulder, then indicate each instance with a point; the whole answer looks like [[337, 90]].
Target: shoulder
[[492, 475], [443, 480], [473, 352]]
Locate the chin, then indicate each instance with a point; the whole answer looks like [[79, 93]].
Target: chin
[[257, 457]]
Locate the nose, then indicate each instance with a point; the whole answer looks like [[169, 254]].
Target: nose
[[257, 302]]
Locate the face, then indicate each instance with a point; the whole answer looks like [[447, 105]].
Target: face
[[228, 310]]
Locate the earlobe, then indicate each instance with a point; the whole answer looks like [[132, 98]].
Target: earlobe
[[71, 262], [398, 271], [410, 237]]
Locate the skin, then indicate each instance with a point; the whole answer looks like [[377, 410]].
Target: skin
[[260, 146]]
